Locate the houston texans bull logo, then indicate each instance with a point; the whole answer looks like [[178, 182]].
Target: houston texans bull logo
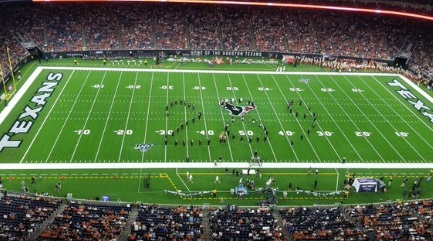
[[236, 110]]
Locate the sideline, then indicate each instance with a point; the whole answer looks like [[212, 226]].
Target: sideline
[[216, 71], [211, 165], [417, 88], [19, 94]]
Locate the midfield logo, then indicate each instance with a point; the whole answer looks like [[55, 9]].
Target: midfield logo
[[143, 147], [236, 110]]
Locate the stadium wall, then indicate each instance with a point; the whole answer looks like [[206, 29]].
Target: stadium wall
[[126, 54]]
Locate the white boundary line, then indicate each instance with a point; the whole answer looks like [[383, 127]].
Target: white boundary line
[[19, 94], [51, 166], [210, 165], [220, 72]]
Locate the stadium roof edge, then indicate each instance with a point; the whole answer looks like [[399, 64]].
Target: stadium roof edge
[[271, 4]]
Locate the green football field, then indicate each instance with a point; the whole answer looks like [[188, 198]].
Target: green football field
[[66, 121]]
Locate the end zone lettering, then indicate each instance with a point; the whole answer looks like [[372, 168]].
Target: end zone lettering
[[31, 112], [412, 99]]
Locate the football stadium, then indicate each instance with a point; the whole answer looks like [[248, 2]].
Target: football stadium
[[216, 120]]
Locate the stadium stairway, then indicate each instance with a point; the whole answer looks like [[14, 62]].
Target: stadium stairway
[[206, 226], [124, 235], [50, 220], [284, 230]]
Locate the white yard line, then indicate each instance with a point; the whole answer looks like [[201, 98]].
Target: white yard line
[[297, 121], [258, 113], [412, 110], [147, 115], [87, 118], [67, 118], [180, 178], [338, 126], [46, 117], [204, 116], [108, 118], [222, 115], [186, 118], [166, 117], [347, 115], [127, 118], [365, 116], [243, 124], [317, 123], [377, 129]]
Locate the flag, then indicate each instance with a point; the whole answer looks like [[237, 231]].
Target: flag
[[143, 147]]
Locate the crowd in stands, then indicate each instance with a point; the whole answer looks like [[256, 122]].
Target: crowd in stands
[[397, 221], [136, 31], [20, 216], [23, 216], [233, 223], [64, 33], [236, 28], [167, 223], [267, 29], [138, 26], [204, 28], [87, 222]]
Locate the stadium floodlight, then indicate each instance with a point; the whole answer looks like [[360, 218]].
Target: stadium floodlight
[[286, 5]]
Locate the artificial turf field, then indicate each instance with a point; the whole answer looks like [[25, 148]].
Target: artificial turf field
[[87, 124]]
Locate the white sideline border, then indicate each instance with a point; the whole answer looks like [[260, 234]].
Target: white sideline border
[[210, 165], [11, 104]]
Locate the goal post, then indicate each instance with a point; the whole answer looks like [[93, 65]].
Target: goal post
[[8, 91]]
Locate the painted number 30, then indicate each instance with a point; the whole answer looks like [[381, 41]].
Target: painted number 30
[[324, 133]]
